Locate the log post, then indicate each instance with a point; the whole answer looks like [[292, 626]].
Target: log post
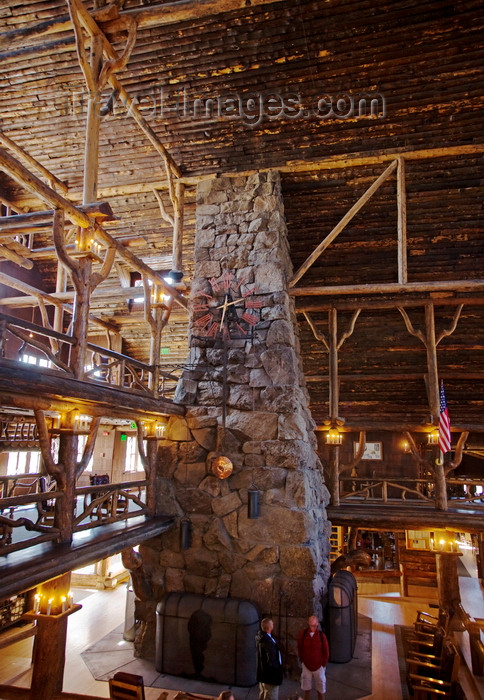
[[80, 317], [178, 227], [334, 474], [480, 557], [151, 455], [91, 160], [66, 478], [333, 364], [440, 483], [50, 644], [447, 579]]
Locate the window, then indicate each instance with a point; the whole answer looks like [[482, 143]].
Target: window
[[34, 360], [132, 461], [23, 463], [81, 444]]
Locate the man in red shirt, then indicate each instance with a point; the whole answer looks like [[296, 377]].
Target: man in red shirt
[[313, 652]]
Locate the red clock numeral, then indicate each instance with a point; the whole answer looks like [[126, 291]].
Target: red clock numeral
[[249, 318], [203, 320], [227, 278], [201, 307], [248, 292], [242, 330], [213, 330], [215, 284], [253, 304]]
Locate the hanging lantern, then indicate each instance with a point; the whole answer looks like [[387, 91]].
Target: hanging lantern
[[334, 437]]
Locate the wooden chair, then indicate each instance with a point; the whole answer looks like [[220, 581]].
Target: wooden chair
[[428, 623], [126, 686], [430, 676], [429, 688]]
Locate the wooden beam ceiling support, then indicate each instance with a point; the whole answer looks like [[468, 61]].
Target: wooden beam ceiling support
[[396, 377], [155, 16], [350, 305], [101, 211], [402, 222], [26, 301], [38, 295], [30, 160], [390, 288], [34, 185], [350, 214], [90, 25], [351, 160]]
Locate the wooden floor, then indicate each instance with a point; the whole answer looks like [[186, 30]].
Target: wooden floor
[[102, 611]]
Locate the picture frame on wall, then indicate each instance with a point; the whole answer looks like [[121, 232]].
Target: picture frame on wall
[[373, 450]]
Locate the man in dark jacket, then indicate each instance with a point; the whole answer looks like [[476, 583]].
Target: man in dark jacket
[[269, 662], [313, 652]]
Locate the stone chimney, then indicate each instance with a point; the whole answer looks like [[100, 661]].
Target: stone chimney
[[253, 384]]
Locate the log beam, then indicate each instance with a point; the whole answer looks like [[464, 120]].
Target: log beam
[[157, 15], [50, 177], [390, 288]]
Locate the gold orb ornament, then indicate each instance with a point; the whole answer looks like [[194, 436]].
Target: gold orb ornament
[[222, 467]]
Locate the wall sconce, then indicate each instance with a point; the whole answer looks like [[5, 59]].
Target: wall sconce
[[405, 447], [154, 430], [334, 437], [433, 437], [252, 504], [185, 534]]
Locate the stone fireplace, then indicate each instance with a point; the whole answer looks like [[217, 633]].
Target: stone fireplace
[[246, 399]]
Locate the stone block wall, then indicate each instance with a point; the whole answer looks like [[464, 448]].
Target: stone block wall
[[279, 561]]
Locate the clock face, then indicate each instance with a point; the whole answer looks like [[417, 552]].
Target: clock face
[[231, 311]]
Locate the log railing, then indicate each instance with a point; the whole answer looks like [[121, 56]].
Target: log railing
[[95, 505], [359, 488], [460, 491], [109, 503], [107, 366], [473, 627]]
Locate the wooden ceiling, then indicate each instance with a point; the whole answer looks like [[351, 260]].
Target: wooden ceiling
[[423, 61]]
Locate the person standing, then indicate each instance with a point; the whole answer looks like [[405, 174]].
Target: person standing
[[269, 662], [313, 652]]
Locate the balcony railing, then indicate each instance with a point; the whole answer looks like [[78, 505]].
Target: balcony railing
[[28, 519], [102, 364], [460, 491]]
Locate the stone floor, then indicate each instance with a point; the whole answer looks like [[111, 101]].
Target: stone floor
[[347, 681]]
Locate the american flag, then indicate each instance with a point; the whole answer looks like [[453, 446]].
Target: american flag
[[445, 440]]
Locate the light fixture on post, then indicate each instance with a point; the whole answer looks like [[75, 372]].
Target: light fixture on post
[[154, 430], [252, 504], [185, 534], [433, 437], [334, 437]]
